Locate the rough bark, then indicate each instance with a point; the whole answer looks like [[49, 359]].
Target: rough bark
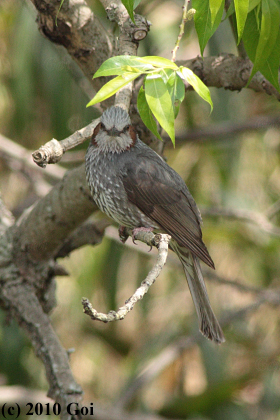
[[76, 28], [27, 269]]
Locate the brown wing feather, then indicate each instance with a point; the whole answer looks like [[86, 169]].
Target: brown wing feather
[[162, 196]]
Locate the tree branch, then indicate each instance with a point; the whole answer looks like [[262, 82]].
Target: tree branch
[[89, 233], [27, 269], [21, 301], [229, 72], [41, 232], [130, 35], [76, 28], [160, 241], [53, 150], [129, 38]]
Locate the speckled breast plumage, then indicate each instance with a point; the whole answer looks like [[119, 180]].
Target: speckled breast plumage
[[108, 191]]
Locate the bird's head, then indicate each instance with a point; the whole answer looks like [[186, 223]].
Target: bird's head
[[114, 133]]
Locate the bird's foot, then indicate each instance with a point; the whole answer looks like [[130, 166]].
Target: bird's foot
[[123, 234], [141, 229]]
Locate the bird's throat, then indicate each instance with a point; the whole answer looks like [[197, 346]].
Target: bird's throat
[[113, 144]]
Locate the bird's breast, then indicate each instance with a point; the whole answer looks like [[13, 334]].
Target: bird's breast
[[105, 181]]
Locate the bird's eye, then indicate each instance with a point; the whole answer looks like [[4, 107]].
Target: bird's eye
[[126, 128], [102, 125]]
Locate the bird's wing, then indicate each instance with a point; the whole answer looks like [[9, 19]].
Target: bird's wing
[[161, 195]]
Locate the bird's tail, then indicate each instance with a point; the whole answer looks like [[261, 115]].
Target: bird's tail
[[209, 325]]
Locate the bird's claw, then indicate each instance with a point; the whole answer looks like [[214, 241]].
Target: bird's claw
[[141, 229], [123, 234]]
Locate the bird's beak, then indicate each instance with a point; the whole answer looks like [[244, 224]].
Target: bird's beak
[[113, 132]]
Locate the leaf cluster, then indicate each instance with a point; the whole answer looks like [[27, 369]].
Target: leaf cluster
[[162, 92], [257, 25]]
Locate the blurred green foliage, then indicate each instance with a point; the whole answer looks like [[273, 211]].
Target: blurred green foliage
[[39, 99]]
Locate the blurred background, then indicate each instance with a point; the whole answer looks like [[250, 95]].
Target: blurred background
[[233, 171]]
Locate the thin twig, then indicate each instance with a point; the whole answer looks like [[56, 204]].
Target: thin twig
[[161, 241], [187, 15]]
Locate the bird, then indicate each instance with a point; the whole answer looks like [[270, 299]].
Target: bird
[[135, 187]]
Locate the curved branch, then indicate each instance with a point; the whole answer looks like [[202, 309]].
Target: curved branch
[[160, 241]]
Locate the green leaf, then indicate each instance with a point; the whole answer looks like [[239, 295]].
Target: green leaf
[[197, 84], [269, 32], [202, 20], [166, 74], [268, 65], [176, 89], [129, 69], [115, 66], [160, 103], [145, 113], [160, 62], [253, 4], [270, 68], [251, 34], [231, 10], [215, 6], [129, 5], [241, 11], [112, 87]]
